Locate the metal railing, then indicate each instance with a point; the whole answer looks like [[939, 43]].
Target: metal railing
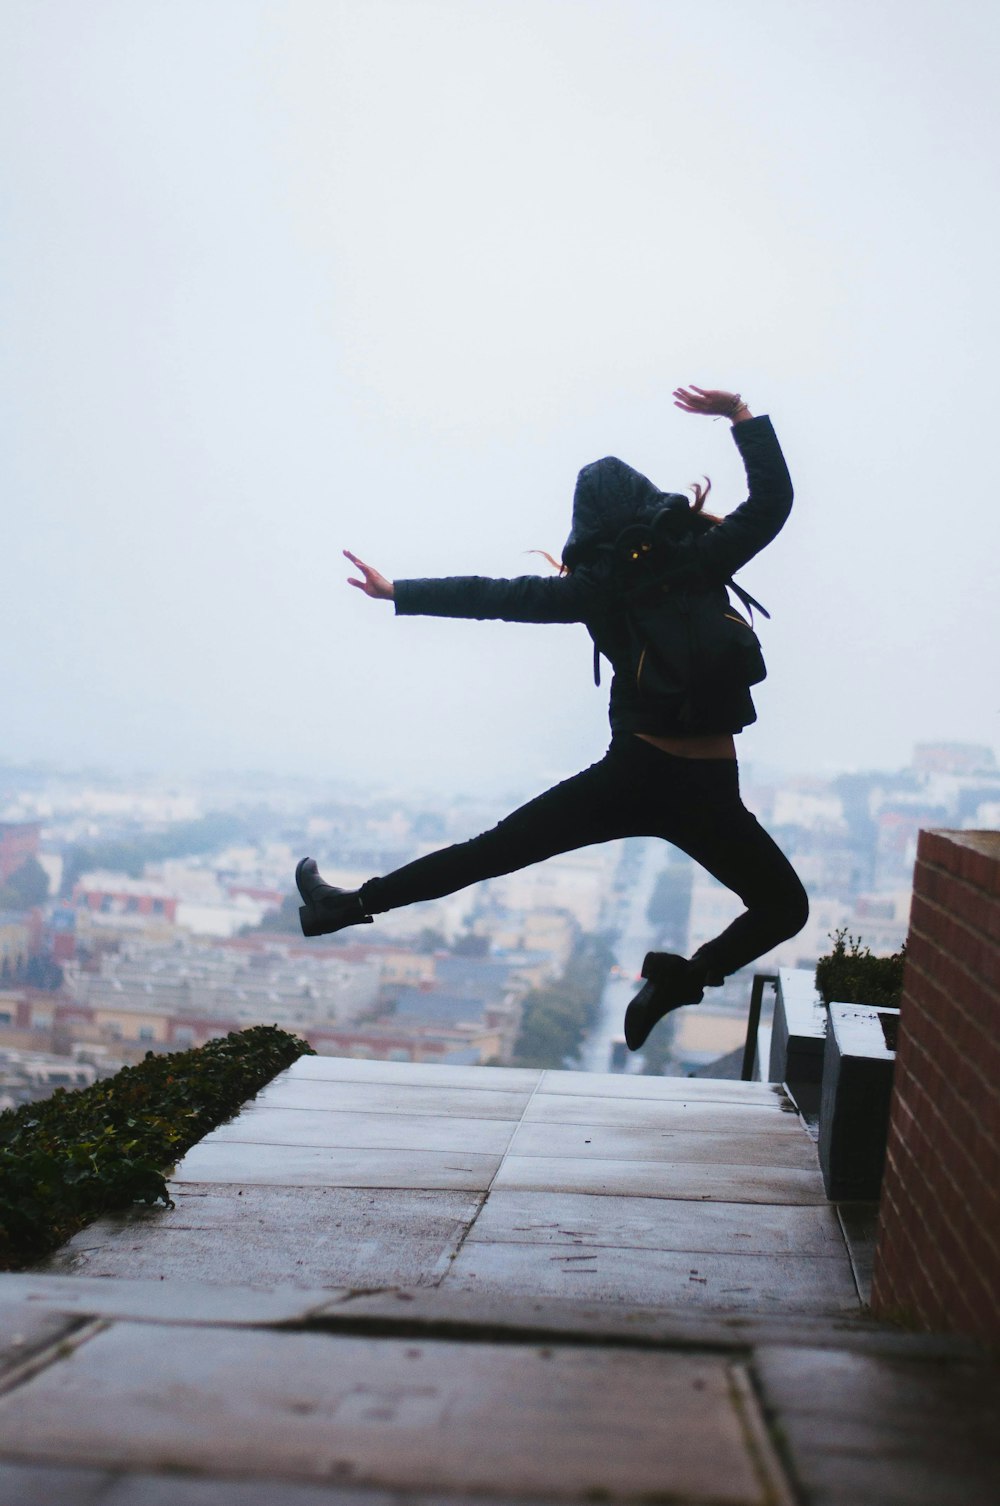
[[760, 982]]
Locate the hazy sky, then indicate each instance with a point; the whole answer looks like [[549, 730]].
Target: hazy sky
[[283, 277]]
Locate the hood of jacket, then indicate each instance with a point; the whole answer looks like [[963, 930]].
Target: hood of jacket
[[610, 496]]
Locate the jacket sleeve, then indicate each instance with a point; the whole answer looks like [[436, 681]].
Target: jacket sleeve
[[526, 598], [724, 549]]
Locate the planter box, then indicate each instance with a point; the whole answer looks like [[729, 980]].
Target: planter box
[[798, 1031], [858, 1063]]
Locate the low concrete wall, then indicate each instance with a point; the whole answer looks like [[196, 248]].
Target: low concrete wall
[[937, 1260]]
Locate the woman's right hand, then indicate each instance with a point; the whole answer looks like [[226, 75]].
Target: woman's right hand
[[373, 585]]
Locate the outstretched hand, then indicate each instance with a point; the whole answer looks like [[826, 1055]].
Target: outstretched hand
[[373, 584], [710, 400]]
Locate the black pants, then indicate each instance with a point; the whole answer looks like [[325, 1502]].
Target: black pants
[[636, 790]]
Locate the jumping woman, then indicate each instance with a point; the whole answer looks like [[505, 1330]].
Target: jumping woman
[[671, 769]]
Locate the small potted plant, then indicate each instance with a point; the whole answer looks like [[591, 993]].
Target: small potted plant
[[862, 994]]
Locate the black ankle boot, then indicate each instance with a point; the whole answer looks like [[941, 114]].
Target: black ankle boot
[[326, 909], [673, 982]]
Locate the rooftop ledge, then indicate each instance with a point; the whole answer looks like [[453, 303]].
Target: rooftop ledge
[[478, 1282]]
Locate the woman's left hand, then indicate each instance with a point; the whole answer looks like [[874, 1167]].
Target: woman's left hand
[[711, 401], [373, 585]]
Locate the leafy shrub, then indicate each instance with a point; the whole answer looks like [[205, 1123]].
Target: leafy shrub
[[850, 974], [79, 1154]]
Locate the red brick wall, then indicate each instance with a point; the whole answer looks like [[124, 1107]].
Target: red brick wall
[[937, 1261]]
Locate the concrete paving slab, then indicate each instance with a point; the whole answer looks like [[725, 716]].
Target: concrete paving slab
[[436, 1417], [620, 1141], [268, 1236], [882, 1430], [687, 1089], [839, 1479], [659, 1278], [369, 1131], [175, 1490], [665, 1179], [160, 1301], [26, 1331], [705, 1116], [419, 1074], [656, 1224], [285, 1092], [902, 1392], [314, 1166], [44, 1485]]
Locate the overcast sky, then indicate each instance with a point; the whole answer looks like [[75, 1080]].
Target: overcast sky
[[284, 277]]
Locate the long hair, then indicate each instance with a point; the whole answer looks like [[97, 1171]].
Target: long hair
[[700, 498]]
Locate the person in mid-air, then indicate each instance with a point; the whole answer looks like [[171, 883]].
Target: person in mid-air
[[646, 572]]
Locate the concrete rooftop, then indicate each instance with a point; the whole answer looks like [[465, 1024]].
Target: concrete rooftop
[[388, 1282]]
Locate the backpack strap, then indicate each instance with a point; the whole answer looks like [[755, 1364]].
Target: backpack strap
[[597, 665], [750, 602]]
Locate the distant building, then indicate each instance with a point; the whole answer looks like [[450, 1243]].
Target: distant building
[[954, 758], [28, 1076], [19, 841], [15, 943], [115, 894]]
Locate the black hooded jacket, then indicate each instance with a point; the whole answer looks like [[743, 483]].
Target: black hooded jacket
[[610, 496]]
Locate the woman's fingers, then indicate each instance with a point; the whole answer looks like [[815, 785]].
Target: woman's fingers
[[705, 400], [373, 584]]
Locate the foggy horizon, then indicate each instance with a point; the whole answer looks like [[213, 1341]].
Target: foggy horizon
[[283, 280]]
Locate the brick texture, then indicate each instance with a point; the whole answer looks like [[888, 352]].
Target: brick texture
[[937, 1260]]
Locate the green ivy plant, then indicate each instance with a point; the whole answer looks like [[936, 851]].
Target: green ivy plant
[[77, 1155]]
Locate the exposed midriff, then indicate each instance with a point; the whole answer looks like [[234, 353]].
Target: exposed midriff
[[694, 745]]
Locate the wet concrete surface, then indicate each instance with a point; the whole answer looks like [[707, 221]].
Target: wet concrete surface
[[253, 1163], [651, 1178], [264, 1236], [872, 1430], [676, 1279], [481, 1418], [638, 1291], [173, 1301], [705, 1116], [658, 1224], [664, 1089], [390, 1099], [422, 1074], [754, 1146], [25, 1332], [365, 1130]]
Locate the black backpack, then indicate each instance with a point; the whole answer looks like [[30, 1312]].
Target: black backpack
[[689, 649]]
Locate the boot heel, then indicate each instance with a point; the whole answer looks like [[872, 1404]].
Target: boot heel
[[655, 965], [312, 922], [309, 921]]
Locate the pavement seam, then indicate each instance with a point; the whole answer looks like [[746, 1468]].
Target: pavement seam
[[482, 1331], [864, 1302], [777, 1436], [49, 1354], [449, 1257], [761, 1446], [516, 1123]]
